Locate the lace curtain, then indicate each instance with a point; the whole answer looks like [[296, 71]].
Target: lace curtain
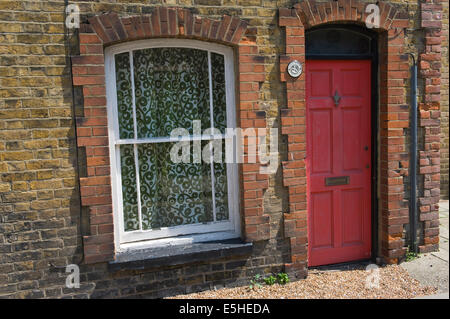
[[171, 90]]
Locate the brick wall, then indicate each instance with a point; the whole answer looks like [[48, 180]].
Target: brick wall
[[445, 181], [40, 206], [41, 219], [429, 122]]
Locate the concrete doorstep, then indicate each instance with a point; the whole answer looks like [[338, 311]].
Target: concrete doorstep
[[432, 269]]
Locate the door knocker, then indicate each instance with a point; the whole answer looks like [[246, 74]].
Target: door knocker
[[336, 98]]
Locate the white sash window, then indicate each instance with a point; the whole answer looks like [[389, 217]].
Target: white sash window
[[153, 88]]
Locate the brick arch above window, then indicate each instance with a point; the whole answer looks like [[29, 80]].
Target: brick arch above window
[[88, 72], [167, 22]]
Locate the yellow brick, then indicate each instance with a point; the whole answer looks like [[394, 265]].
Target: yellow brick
[[32, 16], [36, 81], [45, 174], [5, 187], [45, 184], [47, 194], [20, 186], [9, 82], [16, 166], [45, 204], [14, 124], [39, 113], [17, 156], [39, 144], [11, 5], [43, 164], [249, 3], [56, 17], [10, 27], [54, 28], [40, 133]]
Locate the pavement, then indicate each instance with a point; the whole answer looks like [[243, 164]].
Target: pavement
[[432, 269]]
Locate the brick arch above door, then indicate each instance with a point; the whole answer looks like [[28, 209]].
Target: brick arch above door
[[296, 21], [88, 72], [312, 13]]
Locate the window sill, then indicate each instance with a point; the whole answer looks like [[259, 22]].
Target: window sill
[[178, 255]]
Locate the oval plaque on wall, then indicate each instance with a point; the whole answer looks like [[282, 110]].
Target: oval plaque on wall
[[295, 69]]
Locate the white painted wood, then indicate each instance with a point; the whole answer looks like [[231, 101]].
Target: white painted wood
[[232, 168], [113, 129], [135, 149], [175, 241], [173, 139], [211, 157], [166, 232]]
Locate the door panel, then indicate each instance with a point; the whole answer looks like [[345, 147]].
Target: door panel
[[351, 81], [322, 160], [338, 160], [352, 221], [322, 83], [351, 122], [322, 222]]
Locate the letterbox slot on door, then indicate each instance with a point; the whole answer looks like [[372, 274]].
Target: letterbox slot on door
[[336, 181]]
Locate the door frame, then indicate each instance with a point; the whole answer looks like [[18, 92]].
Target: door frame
[[373, 56]]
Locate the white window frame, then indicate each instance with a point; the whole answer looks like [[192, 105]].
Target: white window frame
[[178, 234]]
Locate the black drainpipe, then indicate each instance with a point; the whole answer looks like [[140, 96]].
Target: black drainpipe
[[69, 65], [54, 268], [413, 159]]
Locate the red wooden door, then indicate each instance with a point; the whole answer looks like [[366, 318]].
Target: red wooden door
[[338, 160]]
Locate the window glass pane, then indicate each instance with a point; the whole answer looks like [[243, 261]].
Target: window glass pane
[[172, 194], [219, 92], [129, 189], [337, 42], [172, 90], [221, 188], [124, 96]]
